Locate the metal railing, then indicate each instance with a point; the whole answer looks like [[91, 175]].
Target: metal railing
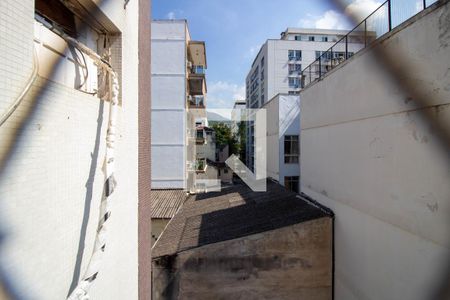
[[381, 21]]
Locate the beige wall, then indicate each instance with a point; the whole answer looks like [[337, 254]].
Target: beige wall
[[51, 177], [368, 153], [289, 263], [158, 226]]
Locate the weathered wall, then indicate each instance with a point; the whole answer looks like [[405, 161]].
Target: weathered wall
[[368, 154], [289, 263], [51, 157]]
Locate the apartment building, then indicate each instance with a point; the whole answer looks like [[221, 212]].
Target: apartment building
[[74, 111], [277, 67], [178, 73]]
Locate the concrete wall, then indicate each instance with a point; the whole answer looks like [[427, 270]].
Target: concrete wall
[[51, 158], [368, 153], [169, 124], [289, 263]]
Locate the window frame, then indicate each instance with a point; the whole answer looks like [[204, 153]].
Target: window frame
[[293, 155]]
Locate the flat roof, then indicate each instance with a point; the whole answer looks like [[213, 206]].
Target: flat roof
[[234, 212]]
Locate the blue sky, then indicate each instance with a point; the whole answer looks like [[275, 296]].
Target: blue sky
[[234, 30]]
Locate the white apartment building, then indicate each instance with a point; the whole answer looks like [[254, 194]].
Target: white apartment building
[[277, 67], [178, 73]]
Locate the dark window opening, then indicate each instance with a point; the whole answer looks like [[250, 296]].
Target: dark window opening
[[291, 183], [58, 14]]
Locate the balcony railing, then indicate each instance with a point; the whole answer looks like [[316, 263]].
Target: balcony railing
[[381, 21], [198, 70]]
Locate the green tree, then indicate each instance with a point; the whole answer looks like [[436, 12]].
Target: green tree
[[225, 137]]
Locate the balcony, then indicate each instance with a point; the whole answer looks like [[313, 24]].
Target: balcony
[[197, 84], [197, 53], [196, 102], [200, 165]]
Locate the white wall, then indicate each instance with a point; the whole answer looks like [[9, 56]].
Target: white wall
[[273, 138], [169, 104], [368, 154], [51, 178], [289, 124], [283, 118]]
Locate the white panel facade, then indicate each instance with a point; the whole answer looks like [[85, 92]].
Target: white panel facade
[[169, 123]]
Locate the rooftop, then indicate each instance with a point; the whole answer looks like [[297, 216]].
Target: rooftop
[[165, 203], [235, 212]]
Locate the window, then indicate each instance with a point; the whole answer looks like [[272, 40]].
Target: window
[[318, 54], [311, 38], [298, 37], [324, 39], [291, 149], [294, 83], [295, 68], [291, 183], [295, 54]]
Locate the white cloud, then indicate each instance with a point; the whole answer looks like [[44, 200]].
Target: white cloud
[[223, 94], [331, 19], [170, 15], [360, 9]]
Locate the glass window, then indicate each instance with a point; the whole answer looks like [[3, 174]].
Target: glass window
[[291, 183], [291, 149], [294, 82], [311, 38], [324, 39], [295, 54]]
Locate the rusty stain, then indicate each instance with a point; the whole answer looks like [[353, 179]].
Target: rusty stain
[[408, 99], [424, 139], [433, 207], [414, 134], [374, 140]]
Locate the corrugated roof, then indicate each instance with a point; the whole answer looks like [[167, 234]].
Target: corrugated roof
[[234, 212], [165, 203]]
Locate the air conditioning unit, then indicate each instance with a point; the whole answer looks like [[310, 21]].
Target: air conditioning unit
[[189, 98], [189, 64]]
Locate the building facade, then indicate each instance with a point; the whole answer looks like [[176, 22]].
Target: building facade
[[283, 140], [277, 68], [53, 147], [178, 70], [375, 156]]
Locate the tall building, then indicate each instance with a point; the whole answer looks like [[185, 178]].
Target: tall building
[[178, 73], [277, 68]]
